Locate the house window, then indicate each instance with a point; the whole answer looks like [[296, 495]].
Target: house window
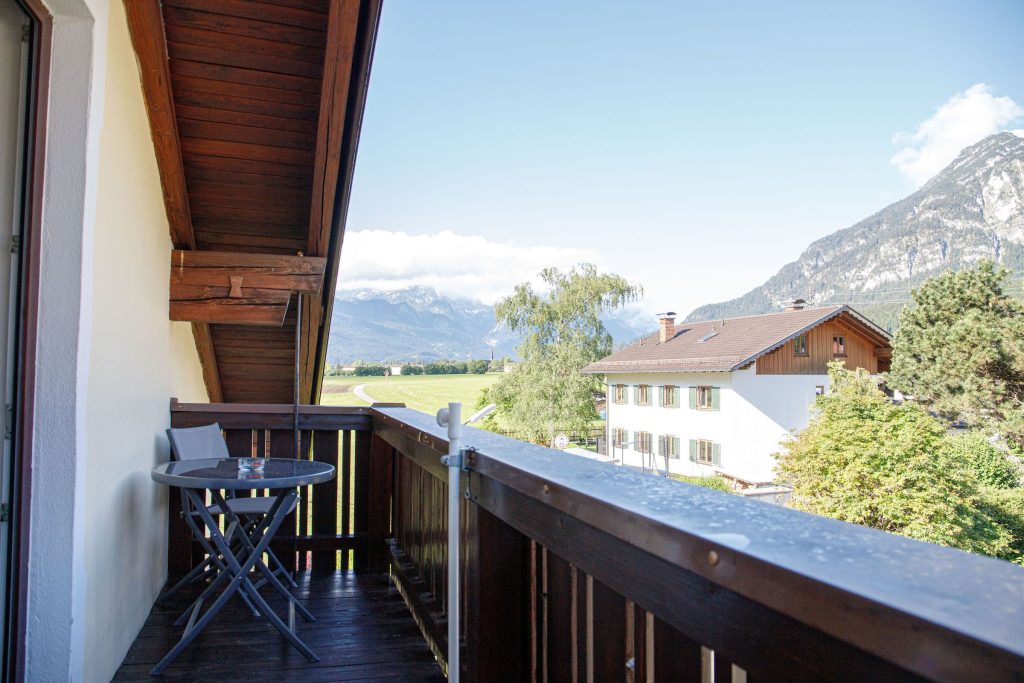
[[705, 452], [643, 394], [619, 394], [800, 345], [642, 442], [704, 396], [668, 446], [819, 390], [619, 437], [670, 396], [838, 345]]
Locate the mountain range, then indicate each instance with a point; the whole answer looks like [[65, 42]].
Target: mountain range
[[417, 323], [971, 210]]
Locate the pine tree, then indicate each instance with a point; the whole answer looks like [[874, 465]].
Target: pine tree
[[960, 350]]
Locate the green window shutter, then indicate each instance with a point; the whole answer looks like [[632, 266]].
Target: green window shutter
[[661, 445], [693, 450], [716, 401], [675, 396], [636, 441], [675, 446], [661, 395], [693, 398], [716, 454]]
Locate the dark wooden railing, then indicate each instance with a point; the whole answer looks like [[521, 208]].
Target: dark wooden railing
[[577, 570]]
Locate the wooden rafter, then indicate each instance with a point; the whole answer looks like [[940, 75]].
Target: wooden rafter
[[339, 59], [239, 288], [333, 225], [146, 27]]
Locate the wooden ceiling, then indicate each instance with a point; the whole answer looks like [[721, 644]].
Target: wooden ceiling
[[255, 109]]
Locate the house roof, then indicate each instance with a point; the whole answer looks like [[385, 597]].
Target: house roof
[[729, 344]]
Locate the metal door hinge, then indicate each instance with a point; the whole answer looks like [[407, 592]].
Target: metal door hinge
[[15, 244], [5, 512], [26, 33], [9, 422]]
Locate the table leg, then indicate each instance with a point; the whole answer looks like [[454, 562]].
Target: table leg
[[239, 580], [260, 565]]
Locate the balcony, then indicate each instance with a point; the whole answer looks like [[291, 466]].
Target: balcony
[[577, 570]]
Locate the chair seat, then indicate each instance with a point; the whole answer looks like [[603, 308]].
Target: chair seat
[[249, 506]]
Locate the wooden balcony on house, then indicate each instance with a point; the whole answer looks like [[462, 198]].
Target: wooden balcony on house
[[575, 570]]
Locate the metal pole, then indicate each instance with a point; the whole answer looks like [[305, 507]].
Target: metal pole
[[298, 354], [452, 418]]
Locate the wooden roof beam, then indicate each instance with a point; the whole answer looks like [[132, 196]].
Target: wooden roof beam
[[239, 288], [146, 27]]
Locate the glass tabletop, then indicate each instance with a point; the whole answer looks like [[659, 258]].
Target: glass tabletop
[[278, 473]]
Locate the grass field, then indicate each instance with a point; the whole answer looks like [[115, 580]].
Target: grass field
[[422, 392]]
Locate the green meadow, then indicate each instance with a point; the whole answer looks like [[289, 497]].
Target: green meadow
[[422, 392]]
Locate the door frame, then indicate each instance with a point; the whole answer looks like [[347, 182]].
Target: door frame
[[14, 663]]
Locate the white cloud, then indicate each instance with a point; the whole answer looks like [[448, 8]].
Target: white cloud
[[465, 266], [961, 121]]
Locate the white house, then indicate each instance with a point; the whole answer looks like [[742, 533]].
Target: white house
[[719, 396]]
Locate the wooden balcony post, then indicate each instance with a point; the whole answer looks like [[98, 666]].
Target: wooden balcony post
[[378, 519], [360, 496], [495, 599]]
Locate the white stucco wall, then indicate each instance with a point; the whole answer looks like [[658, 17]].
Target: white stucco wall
[[108, 359], [54, 644], [756, 413], [138, 360]]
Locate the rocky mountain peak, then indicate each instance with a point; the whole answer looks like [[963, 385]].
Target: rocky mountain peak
[[971, 210]]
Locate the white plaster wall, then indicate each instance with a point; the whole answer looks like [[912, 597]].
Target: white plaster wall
[[138, 360], [54, 647], [770, 409], [756, 413], [682, 422], [107, 358]]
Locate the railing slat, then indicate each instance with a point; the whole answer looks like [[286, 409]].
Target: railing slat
[[380, 481], [325, 496], [608, 624], [559, 606], [361, 492], [495, 600], [345, 497], [676, 657]]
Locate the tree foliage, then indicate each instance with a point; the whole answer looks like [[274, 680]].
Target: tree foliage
[[989, 464], [562, 332], [960, 350], [1006, 508], [866, 460]]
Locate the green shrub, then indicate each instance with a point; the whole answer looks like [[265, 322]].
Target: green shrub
[[989, 464], [1005, 507], [715, 482]]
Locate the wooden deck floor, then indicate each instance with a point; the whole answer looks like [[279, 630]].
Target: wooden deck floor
[[363, 632]]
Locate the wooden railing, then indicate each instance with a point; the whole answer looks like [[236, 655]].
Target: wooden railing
[[577, 570], [330, 525]]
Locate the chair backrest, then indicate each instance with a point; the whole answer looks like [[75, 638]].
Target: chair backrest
[[194, 443]]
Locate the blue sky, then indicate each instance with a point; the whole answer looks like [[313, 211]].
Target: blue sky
[[692, 147]]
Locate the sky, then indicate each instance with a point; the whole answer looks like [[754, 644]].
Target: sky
[[691, 147]]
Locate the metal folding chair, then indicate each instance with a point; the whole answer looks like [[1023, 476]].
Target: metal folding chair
[[194, 443]]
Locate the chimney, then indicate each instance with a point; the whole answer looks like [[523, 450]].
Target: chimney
[[666, 326], [796, 305]]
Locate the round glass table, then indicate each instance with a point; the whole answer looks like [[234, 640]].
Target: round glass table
[[238, 550], [278, 473]]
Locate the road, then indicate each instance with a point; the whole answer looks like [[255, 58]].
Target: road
[[362, 395]]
